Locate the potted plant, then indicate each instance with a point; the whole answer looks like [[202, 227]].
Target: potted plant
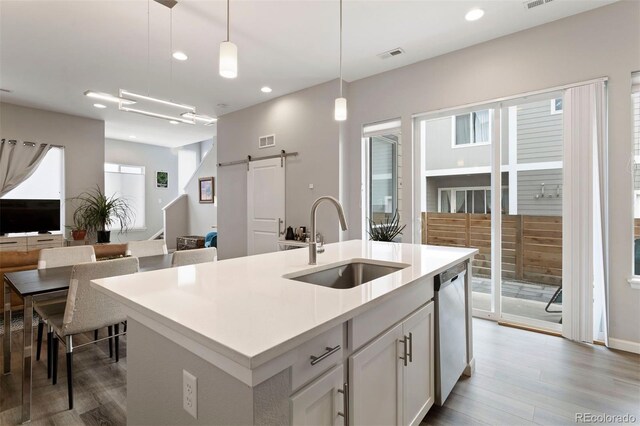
[[78, 229], [387, 229], [98, 212]]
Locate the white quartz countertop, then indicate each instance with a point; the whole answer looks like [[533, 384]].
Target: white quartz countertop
[[243, 308]]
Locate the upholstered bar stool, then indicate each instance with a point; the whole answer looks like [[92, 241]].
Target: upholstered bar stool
[[87, 310], [54, 258], [146, 248], [191, 257]]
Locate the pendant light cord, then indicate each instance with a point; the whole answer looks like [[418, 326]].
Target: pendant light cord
[[148, 48], [340, 48], [228, 20], [170, 52]]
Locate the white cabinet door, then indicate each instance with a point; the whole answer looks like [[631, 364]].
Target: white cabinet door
[[418, 375], [319, 403], [375, 381], [265, 205]]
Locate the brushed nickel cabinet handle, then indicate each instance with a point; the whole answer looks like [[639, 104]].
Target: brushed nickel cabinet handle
[[410, 338], [345, 403], [404, 358], [330, 351]]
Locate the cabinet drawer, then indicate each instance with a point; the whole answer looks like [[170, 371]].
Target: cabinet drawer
[[10, 243], [40, 241], [373, 322], [326, 351]]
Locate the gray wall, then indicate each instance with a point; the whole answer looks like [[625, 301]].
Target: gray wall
[[153, 158], [303, 122], [601, 42], [203, 217], [539, 133], [83, 139], [529, 185]]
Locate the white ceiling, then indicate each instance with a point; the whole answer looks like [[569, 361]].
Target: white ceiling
[[52, 51]]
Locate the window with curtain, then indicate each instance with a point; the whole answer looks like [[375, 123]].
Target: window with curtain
[[46, 181], [472, 128], [127, 181]]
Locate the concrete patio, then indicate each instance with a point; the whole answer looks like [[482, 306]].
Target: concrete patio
[[518, 298]]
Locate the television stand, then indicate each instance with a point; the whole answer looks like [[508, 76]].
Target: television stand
[[31, 242]]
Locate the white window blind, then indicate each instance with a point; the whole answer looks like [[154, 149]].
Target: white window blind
[[127, 181]]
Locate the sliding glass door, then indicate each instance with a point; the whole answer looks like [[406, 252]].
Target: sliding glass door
[[457, 190], [491, 179], [532, 243]]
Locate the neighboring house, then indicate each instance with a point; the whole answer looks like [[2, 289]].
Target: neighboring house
[[458, 152]]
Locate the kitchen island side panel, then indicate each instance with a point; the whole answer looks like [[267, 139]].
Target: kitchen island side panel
[[154, 384]]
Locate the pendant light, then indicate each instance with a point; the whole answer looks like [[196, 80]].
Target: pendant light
[[228, 55], [340, 111]]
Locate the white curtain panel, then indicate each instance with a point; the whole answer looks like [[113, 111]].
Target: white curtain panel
[[18, 161], [585, 266]]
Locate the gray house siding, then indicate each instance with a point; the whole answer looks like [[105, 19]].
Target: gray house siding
[[539, 133], [439, 153], [529, 185]]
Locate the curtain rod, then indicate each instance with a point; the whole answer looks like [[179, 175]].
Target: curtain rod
[[14, 141], [511, 97], [249, 159]]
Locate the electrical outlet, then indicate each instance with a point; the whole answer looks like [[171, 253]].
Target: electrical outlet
[[190, 393]]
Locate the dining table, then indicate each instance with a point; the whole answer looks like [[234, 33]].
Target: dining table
[[37, 284]]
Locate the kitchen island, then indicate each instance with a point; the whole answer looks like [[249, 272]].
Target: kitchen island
[[246, 341]]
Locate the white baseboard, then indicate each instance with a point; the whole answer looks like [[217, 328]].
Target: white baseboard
[[624, 345]]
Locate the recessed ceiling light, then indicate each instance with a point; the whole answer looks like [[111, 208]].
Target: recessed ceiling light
[[181, 56], [266, 89], [99, 106], [174, 122], [132, 136], [474, 14]]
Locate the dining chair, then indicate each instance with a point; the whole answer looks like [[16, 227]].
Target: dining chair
[[146, 248], [87, 309], [44, 307], [191, 257]]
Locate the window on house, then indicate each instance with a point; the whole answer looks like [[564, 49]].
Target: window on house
[[127, 181], [556, 106], [469, 200], [472, 128]]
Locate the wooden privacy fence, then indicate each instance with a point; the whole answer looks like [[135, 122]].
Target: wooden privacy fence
[[531, 245]]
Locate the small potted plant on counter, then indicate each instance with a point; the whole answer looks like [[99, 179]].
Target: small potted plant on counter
[[387, 229], [98, 212], [78, 229]]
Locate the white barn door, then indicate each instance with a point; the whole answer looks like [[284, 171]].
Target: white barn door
[[265, 205]]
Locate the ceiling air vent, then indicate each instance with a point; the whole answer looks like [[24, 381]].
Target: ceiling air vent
[[266, 141], [390, 53], [535, 3]]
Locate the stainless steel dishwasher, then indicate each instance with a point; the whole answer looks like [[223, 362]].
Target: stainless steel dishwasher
[[450, 329]]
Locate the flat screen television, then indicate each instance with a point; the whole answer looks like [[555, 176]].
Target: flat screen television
[[29, 216]]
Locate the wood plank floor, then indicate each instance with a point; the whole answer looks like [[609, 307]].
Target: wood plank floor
[[521, 378], [100, 387], [525, 378]]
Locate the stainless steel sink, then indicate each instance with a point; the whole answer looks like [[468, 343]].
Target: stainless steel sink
[[349, 275]]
